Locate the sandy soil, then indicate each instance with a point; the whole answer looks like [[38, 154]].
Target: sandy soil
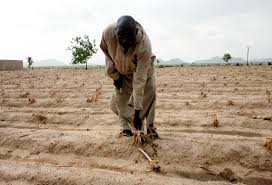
[[53, 130]]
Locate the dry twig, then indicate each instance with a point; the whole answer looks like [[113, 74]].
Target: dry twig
[[226, 174], [154, 165]]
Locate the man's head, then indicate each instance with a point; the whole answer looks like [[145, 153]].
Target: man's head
[[126, 31]]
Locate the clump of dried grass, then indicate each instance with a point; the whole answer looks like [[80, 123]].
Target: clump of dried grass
[[268, 144], [59, 100], [229, 175], [215, 121], [31, 100], [142, 138], [139, 138], [94, 97], [202, 94], [230, 102], [39, 117], [24, 95]]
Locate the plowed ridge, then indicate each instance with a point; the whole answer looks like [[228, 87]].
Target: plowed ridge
[[56, 128]]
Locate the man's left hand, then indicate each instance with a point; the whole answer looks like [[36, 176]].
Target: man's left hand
[[118, 83]]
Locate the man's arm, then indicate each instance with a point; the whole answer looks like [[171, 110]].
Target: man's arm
[[140, 75], [139, 81], [111, 71]]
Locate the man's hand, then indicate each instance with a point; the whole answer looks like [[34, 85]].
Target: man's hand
[[137, 120], [118, 83]]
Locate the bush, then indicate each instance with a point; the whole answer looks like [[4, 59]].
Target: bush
[[269, 63], [161, 66]]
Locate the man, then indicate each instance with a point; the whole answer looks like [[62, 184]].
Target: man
[[129, 62]]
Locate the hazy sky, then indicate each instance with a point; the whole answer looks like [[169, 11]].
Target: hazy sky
[[188, 29]]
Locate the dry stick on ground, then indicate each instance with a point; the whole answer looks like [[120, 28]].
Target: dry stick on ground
[[155, 167], [226, 174], [208, 170]]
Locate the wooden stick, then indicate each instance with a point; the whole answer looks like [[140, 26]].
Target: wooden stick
[[209, 171], [145, 154], [153, 164]]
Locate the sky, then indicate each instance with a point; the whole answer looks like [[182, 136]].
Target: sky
[[189, 30]]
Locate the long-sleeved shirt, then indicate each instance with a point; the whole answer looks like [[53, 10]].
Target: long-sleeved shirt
[[135, 64]]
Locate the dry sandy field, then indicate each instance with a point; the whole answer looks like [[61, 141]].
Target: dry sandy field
[[214, 124]]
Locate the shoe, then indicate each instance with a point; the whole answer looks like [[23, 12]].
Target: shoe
[[127, 133], [152, 131]]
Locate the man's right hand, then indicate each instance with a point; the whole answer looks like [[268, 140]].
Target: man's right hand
[[118, 83], [137, 120]]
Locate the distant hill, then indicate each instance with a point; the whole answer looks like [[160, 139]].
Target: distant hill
[[173, 61], [262, 60], [48, 63], [219, 60]]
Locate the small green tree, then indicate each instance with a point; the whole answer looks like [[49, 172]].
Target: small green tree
[[226, 57], [29, 61], [82, 50]]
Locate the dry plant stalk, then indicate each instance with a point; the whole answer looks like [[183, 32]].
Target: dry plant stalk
[[268, 93], [154, 165], [59, 100], [31, 100], [139, 139], [230, 102], [25, 95], [203, 84], [229, 175], [208, 170], [94, 97], [215, 121], [202, 94], [268, 144], [39, 118]]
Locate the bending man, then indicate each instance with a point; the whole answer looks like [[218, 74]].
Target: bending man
[[129, 62]]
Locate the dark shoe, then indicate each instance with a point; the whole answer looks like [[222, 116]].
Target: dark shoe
[[127, 133], [152, 131]]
